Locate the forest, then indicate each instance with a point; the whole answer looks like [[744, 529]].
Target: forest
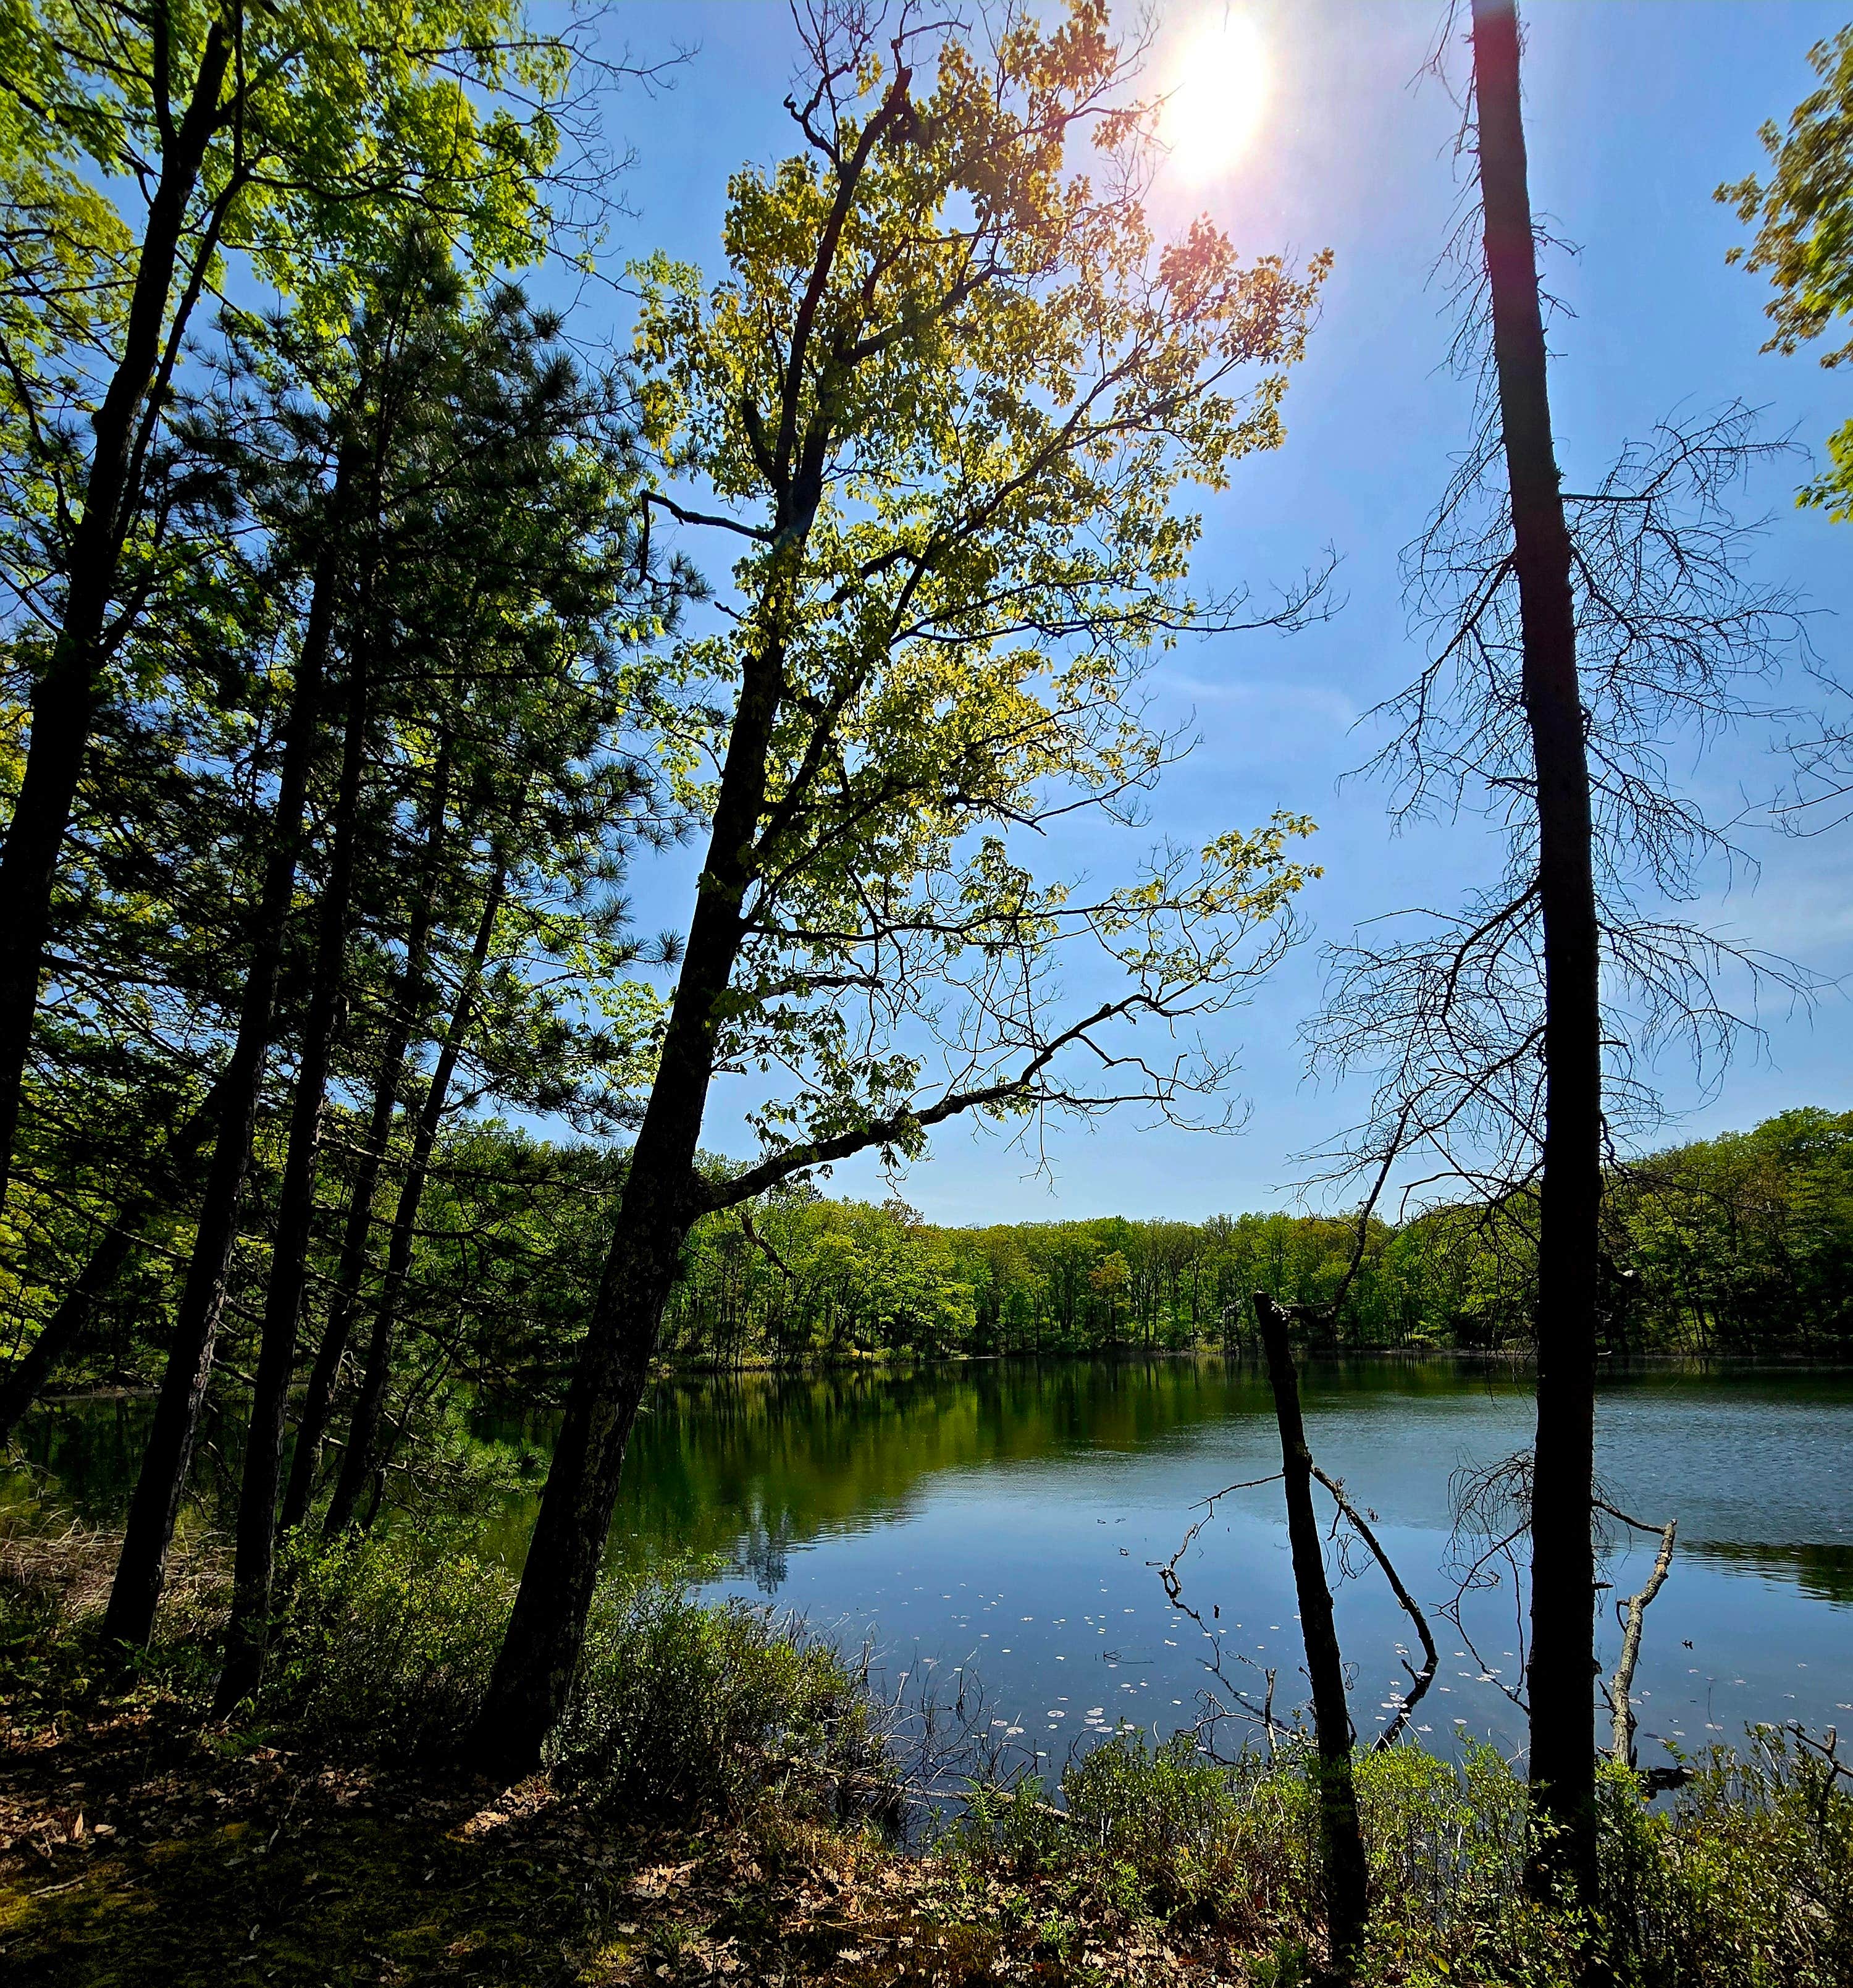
[[1740, 1245], [401, 585]]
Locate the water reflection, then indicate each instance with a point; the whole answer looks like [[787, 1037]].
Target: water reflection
[[997, 1520]]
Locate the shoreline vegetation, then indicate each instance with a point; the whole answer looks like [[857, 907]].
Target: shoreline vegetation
[[727, 1800], [1733, 1248], [882, 1363]]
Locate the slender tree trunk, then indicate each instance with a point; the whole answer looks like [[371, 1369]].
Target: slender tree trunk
[[1562, 1663], [248, 1630], [64, 697], [534, 1669], [158, 1491], [356, 1241], [1341, 1836], [364, 1428], [65, 1327]]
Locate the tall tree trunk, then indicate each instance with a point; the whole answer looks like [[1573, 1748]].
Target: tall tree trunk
[[64, 697], [1341, 1836], [356, 1241], [248, 1630], [364, 1428], [162, 1484], [1562, 1663], [534, 1669], [65, 1327]]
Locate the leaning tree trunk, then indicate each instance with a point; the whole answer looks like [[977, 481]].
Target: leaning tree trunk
[[1340, 1835], [356, 1241], [534, 1669], [64, 698], [370, 1402], [159, 1489], [64, 1330], [247, 1632], [1562, 1663]]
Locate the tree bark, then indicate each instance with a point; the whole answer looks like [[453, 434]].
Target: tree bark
[[1562, 1663], [246, 1631], [162, 1483], [534, 1669], [363, 1427], [65, 1329], [1340, 1835], [64, 697], [356, 1241]]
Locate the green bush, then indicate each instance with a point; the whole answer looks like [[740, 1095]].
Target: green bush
[[381, 1648], [386, 1648], [1747, 1878], [1159, 1829], [1743, 1880], [679, 1707]]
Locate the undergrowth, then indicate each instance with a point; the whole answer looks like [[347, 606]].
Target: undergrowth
[[1743, 1880], [685, 1711]]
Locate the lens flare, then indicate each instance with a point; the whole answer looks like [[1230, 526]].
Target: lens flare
[[1218, 90]]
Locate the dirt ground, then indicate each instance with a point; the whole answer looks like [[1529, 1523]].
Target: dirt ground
[[139, 1847]]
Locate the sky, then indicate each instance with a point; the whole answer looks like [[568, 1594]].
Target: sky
[[1636, 112]]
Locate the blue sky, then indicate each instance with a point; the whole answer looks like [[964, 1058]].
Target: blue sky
[[1636, 112]]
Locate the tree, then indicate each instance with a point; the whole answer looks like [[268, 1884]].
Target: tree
[[1340, 1836], [1574, 634], [1804, 237], [943, 401], [287, 137], [495, 580], [1570, 1172]]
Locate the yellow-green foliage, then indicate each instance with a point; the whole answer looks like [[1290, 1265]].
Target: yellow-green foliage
[[1745, 1880], [681, 1708], [1804, 237]]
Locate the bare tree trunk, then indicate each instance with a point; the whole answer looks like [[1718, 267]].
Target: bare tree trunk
[[64, 697], [312, 1426], [162, 1484], [1340, 1836], [1562, 1663], [65, 1329], [246, 1631], [364, 1428]]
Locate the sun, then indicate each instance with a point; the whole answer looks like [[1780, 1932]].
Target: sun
[[1218, 89]]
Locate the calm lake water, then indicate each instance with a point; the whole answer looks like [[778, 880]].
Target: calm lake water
[[994, 1526]]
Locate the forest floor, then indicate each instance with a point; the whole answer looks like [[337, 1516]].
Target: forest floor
[[138, 1846]]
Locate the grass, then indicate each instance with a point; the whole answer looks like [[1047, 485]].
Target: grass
[[716, 1809]]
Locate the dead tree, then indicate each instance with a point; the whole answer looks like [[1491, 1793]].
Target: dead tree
[[1340, 1834], [1634, 1619], [1576, 631]]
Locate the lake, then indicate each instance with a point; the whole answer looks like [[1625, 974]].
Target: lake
[[994, 1526]]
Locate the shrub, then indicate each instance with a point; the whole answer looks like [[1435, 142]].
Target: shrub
[[382, 1648], [679, 1707], [1160, 1828], [1745, 1880]]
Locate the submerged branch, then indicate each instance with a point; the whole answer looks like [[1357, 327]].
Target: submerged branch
[[1634, 1619], [1421, 1679]]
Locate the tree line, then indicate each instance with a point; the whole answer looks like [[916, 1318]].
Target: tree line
[[1738, 1246]]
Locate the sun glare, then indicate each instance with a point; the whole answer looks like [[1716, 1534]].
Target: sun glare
[[1218, 89]]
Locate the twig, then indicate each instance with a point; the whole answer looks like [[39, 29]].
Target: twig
[[1168, 1569]]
